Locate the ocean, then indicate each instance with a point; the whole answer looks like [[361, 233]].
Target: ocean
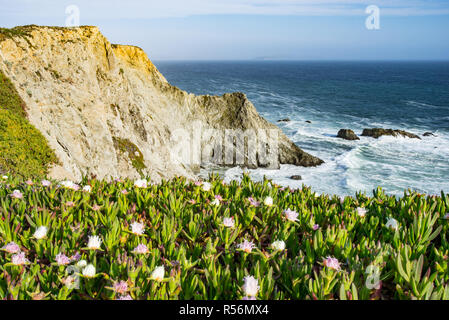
[[412, 96]]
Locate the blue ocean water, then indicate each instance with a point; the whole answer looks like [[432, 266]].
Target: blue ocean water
[[413, 96]]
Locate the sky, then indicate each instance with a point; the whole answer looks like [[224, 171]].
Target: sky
[[255, 29]]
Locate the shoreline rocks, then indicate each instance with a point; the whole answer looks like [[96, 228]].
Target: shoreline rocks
[[347, 134], [378, 132]]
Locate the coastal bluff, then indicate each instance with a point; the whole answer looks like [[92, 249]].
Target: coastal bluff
[[106, 110]]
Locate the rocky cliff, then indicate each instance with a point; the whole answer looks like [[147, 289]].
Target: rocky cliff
[[106, 110]]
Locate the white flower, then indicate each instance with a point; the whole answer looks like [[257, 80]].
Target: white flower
[[17, 194], [81, 263], [62, 259], [291, 215], [251, 286], [137, 228], [342, 200], [19, 259], [228, 222], [216, 202], [361, 212], [40, 232], [316, 195], [392, 223], [89, 271], [94, 242], [206, 186], [141, 183], [246, 246], [268, 201], [70, 185], [278, 245], [158, 274], [5, 177], [45, 183], [87, 189]]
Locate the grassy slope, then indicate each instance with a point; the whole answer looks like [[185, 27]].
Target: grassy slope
[[23, 149]]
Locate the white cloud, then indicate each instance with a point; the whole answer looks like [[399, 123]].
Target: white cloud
[[135, 9]]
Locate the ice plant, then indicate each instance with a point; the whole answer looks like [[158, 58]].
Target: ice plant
[[228, 222], [40, 232], [315, 227], [5, 177], [216, 202], [392, 224], [268, 201], [94, 243], [29, 182], [19, 259], [246, 246], [254, 203], [141, 183], [158, 274], [250, 286], [137, 228], [81, 264], [127, 297], [124, 191], [11, 247], [278, 245], [332, 263], [87, 189], [361, 212], [70, 185], [141, 249], [89, 271], [62, 259], [16, 194], [291, 215], [206, 186]]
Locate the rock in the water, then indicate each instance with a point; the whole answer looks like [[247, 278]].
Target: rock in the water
[[284, 120], [296, 177], [378, 132], [308, 121], [429, 134], [106, 110], [347, 134]]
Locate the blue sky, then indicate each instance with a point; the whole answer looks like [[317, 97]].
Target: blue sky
[[255, 29]]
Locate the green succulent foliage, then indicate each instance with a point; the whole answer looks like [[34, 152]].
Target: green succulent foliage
[[185, 233], [24, 151]]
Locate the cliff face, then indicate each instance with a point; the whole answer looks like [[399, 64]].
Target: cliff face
[[106, 110]]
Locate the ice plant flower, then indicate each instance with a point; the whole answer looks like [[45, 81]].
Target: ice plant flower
[[45, 183], [250, 286], [5, 177], [331, 263], [291, 215], [19, 259], [137, 228], [141, 249], [315, 227], [253, 202], [220, 198], [94, 243], [40, 232], [89, 271], [198, 183], [392, 224], [216, 202], [268, 201], [127, 297], [141, 183], [62, 259], [361, 212], [11, 247], [192, 201], [121, 287], [158, 274], [17, 194], [206, 186], [246, 246], [446, 216], [96, 207], [228, 222], [249, 298], [278, 245], [81, 264], [29, 182], [75, 257], [124, 191], [70, 185], [87, 189], [70, 204]]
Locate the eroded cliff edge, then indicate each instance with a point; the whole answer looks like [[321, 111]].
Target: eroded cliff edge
[[106, 110]]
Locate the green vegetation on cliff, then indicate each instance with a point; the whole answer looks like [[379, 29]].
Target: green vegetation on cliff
[[23, 149]]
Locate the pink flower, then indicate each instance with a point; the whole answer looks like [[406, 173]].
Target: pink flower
[[246, 246], [218, 197], [70, 204], [127, 297], [315, 227], [17, 194], [19, 259], [96, 207], [29, 182], [121, 287], [75, 257], [331, 263], [11, 247], [198, 183], [228, 222], [45, 183], [62, 259], [249, 298], [192, 201], [291, 215], [253, 202], [141, 249], [124, 191]]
